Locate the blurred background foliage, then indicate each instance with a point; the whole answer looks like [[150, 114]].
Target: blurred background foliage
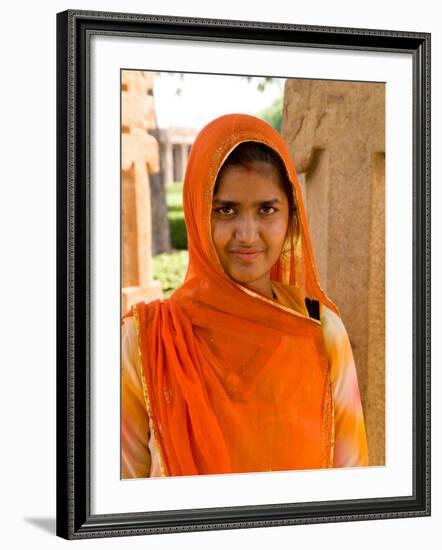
[[170, 268], [273, 114], [175, 215]]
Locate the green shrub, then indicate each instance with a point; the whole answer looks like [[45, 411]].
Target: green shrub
[[170, 269], [175, 215], [178, 233]]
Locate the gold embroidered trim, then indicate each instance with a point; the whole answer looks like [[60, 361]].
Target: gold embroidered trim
[[329, 432], [146, 394], [327, 420], [332, 435], [277, 305]]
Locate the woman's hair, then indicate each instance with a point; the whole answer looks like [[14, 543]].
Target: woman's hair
[[247, 154]]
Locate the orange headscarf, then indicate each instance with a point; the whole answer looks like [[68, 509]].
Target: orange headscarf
[[235, 381]]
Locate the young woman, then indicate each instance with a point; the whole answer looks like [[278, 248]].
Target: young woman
[[247, 367]]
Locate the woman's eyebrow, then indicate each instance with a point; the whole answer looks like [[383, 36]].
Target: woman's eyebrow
[[270, 202], [226, 202], [222, 202]]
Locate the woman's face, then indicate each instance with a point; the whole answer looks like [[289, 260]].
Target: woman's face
[[249, 223]]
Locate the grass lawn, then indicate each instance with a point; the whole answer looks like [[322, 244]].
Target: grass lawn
[[174, 195]]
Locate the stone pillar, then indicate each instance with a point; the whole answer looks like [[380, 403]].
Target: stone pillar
[[336, 134], [183, 153], [177, 169], [376, 312], [168, 162], [140, 156]]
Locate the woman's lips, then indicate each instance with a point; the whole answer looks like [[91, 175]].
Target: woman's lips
[[247, 255]]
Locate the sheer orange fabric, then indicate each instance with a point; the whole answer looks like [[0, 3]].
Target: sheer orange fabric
[[236, 381]]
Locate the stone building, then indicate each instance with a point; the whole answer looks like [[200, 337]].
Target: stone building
[[175, 145], [336, 134]]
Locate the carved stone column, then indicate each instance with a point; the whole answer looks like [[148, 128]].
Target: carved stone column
[[140, 157], [183, 153]]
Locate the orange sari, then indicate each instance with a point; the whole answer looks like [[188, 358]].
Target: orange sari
[[235, 381]]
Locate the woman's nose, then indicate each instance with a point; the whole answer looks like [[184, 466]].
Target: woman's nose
[[247, 230]]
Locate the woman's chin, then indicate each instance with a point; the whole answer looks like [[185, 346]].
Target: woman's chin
[[247, 279]]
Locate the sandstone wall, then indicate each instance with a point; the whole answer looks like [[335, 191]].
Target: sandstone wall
[[336, 133]]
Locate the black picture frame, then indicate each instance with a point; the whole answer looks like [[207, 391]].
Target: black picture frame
[[74, 31]]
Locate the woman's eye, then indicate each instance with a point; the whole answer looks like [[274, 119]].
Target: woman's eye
[[267, 209], [225, 210]]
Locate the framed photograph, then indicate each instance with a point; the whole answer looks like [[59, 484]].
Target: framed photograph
[[243, 274]]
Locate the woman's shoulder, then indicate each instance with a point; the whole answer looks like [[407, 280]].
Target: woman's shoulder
[[143, 309], [128, 323], [332, 325], [336, 340], [129, 340]]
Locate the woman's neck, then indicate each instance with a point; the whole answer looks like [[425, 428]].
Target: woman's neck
[[263, 287]]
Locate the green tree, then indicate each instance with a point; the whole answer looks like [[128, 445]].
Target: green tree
[[273, 114]]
